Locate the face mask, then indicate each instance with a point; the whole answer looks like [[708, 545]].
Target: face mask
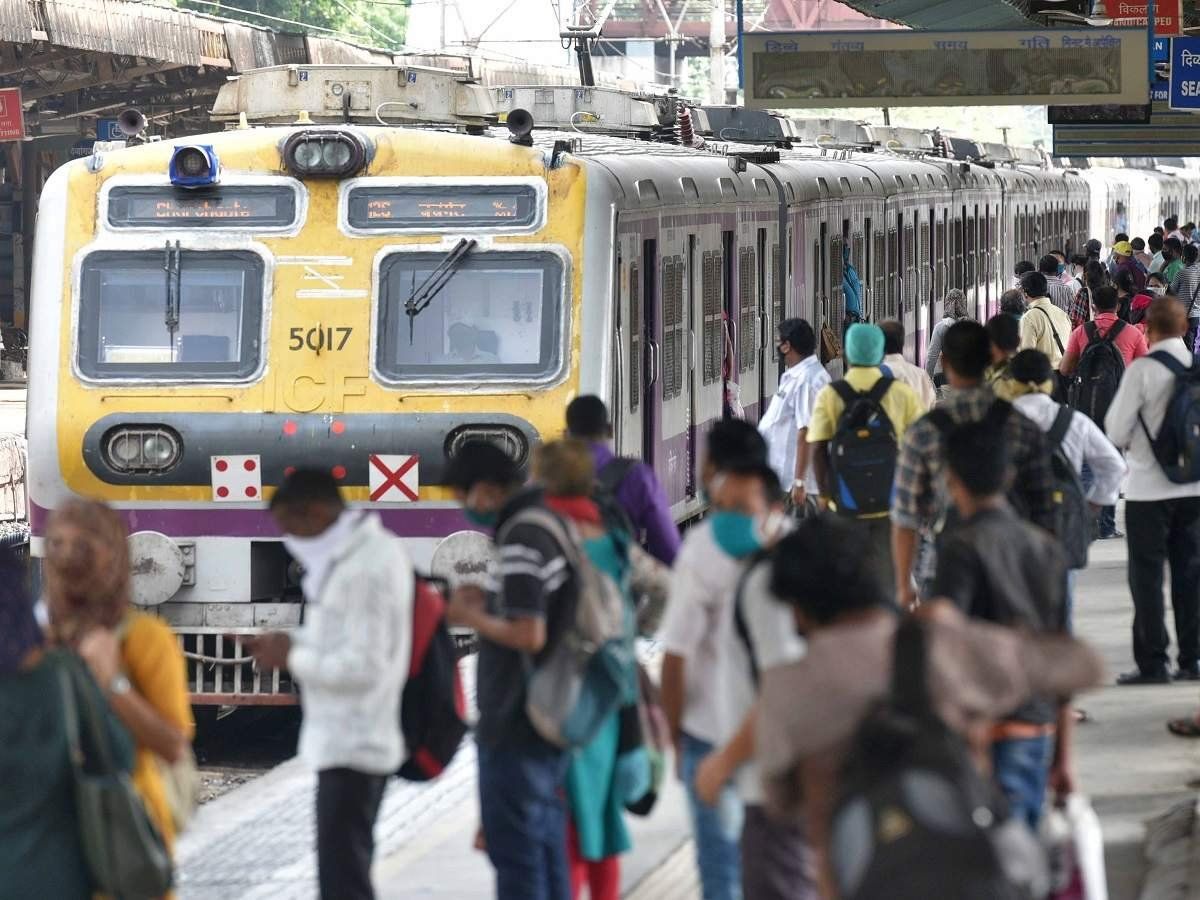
[[1157, 291], [736, 533], [484, 519], [1061, 268]]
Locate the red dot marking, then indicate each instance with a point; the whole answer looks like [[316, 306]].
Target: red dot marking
[[222, 465], [339, 472], [222, 491], [290, 428], [251, 491], [289, 470], [338, 427], [250, 465]]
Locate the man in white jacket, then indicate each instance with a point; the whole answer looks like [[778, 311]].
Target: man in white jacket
[[350, 657]]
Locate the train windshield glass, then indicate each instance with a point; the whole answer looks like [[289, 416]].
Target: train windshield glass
[[134, 322], [497, 316]]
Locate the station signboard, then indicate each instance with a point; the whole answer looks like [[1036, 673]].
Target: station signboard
[[1185, 73], [12, 115], [928, 68], [1168, 15]]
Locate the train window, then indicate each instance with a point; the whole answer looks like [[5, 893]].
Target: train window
[[776, 288], [647, 191], [747, 310], [845, 183], [899, 181], [866, 182], [212, 330], [728, 188], [635, 337], [673, 321], [822, 186], [498, 316], [761, 188], [878, 255], [711, 275], [688, 186]]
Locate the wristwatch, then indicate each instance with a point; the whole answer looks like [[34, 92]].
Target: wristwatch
[[798, 483], [119, 686]]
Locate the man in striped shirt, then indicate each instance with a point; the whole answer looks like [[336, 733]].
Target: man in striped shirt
[[1186, 288], [522, 617], [1060, 294]]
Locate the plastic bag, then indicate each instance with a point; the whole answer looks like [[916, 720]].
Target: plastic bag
[[1075, 847]]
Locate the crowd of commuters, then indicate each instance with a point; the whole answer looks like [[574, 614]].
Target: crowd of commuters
[[954, 502]]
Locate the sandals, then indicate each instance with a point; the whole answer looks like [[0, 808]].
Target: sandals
[[1186, 728]]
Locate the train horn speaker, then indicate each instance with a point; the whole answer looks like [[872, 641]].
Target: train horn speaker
[[520, 124], [131, 123]]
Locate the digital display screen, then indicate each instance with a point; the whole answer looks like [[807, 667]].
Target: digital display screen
[[258, 206], [1136, 114], [418, 206]]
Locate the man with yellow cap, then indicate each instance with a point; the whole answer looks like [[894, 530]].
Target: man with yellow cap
[[1123, 257]]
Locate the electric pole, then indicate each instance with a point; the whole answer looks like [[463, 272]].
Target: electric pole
[[716, 53]]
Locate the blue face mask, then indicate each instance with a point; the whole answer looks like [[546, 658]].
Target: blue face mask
[[482, 519], [736, 533], [1061, 268]]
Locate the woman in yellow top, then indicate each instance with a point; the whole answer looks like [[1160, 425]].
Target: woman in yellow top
[[133, 656]]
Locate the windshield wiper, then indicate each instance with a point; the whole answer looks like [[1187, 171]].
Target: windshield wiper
[[423, 295], [174, 270]]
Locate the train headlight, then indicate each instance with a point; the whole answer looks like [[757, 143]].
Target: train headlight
[[507, 438], [142, 448], [323, 154], [194, 165]]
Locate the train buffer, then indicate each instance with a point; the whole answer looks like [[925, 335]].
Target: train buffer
[[256, 842]]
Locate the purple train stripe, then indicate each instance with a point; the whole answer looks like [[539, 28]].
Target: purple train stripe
[[414, 521]]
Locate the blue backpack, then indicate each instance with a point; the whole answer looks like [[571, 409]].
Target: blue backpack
[[1177, 446], [862, 454]]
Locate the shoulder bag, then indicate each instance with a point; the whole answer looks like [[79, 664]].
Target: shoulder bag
[[124, 851]]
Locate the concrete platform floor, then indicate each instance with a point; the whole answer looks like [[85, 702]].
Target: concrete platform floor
[[256, 841]]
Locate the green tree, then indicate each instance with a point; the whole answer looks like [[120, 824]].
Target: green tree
[[380, 23]]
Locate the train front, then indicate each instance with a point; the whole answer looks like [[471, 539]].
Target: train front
[[210, 314]]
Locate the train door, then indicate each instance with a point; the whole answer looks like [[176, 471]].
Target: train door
[[837, 295], [712, 336], [675, 419], [911, 281], [695, 315], [749, 347], [631, 396], [728, 318], [765, 327], [928, 255], [941, 269], [651, 353]]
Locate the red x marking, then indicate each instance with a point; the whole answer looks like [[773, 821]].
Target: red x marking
[[392, 479]]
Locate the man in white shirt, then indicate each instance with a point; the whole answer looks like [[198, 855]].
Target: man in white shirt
[[697, 634], [1162, 518], [350, 658], [784, 426], [902, 370], [1084, 444], [1044, 326]]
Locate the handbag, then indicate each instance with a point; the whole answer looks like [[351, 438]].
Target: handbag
[[181, 787], [124, 851]]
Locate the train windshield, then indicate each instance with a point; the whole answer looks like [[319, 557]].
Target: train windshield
[[498, 317], [195, 316]]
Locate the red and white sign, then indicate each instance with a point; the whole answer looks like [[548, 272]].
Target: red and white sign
[[12, 115], [236, 479], [1168, 15], [394, 479]]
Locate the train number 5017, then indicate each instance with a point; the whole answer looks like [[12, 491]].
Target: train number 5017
[[318, 338]]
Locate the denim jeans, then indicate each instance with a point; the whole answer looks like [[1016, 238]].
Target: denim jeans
[[1022, 769], [1106, 519], [717, 829], [524, 816]]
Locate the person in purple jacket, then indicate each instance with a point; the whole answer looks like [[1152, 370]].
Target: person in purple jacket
[[631, 482]]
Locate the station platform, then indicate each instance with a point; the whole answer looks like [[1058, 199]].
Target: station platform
[[255, 842]]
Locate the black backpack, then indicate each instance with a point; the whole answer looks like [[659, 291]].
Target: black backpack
[[609, 479], [862, 454], [1073, 517], [1177, 447], [1101, 366], [914, 819], [433, 709]]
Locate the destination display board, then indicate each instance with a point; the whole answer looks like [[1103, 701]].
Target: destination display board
[[437, 207], [1169, 134], [223, 206], [1091, 66]]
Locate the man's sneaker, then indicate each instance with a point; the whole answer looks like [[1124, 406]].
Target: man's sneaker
[[1188, 673], [1161, 676], [1112, 535]]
